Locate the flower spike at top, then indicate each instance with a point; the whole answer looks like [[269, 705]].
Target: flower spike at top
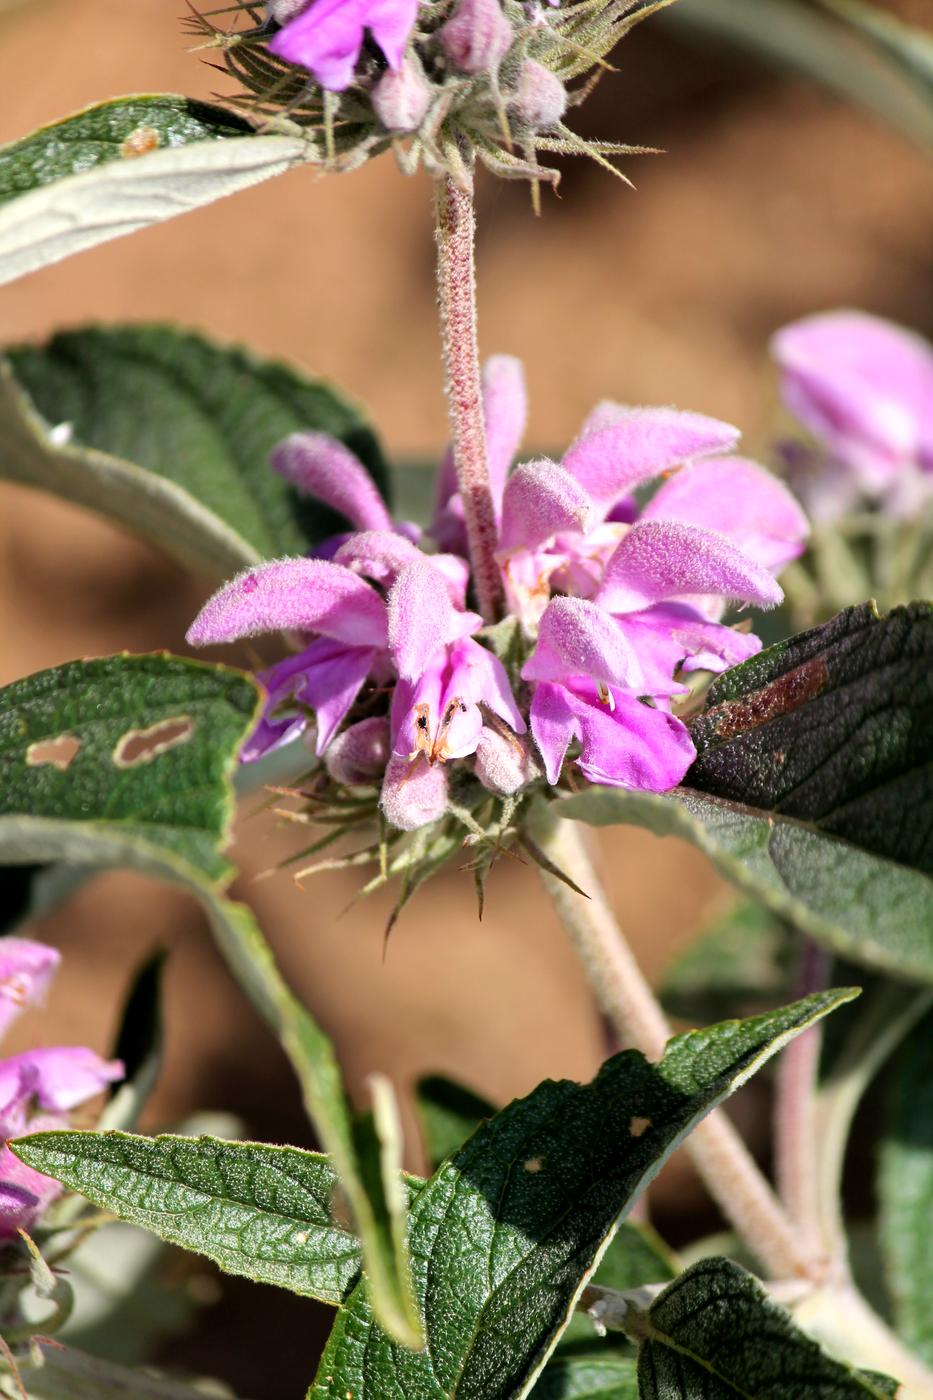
[[441, 83]]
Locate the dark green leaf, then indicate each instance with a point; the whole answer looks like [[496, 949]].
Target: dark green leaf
[[169, 434], [120, 166], [128, 761], [812, 788], [714, 1334], [503, 1236], [265, 1212], [906, 1190], [449, 1114], [833, 728]]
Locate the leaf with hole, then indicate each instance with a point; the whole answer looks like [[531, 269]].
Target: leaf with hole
[[713, 1334], [169, 434], [811, 789], [145, 782], [505, 1234], [122, 165]]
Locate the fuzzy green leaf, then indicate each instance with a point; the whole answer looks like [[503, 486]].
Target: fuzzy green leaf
[[121, 165], [128, 761], [906, 1191], [713, 1334], [169, 434], [265, 1212], [505, 1234], [812, 790]]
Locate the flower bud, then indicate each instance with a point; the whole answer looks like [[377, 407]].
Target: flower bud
[[504, 762], [477, 36], [401, 98], [540, 99], [359, 755]]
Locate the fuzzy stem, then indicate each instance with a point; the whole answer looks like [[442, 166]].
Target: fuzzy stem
[[722, 1159], [795, 1140], [456, 290]]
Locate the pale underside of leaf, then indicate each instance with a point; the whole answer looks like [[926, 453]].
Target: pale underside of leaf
[[49, 224], [861, 905]]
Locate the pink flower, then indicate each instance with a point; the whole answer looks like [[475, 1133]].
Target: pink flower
[[326, 38], [444, 678], [38, 1088], [864, 388], [347, 619]]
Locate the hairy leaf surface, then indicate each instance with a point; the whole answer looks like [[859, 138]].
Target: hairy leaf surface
[[169, 434], [265, 1212], [506, 1233], [714, 1334], [127, 761]]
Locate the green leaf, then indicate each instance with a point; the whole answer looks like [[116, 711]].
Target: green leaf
[[792, 34], [811, 789], [127, 761], [713, 1334], [119, 166], [589, 1376], [449, 1113], [169, 434], [505, 1234], [636, 1255], [906, 1191], [268, 1213]]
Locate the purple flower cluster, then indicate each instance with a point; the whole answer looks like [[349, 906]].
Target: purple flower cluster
[[615, 592], [38, 1088]]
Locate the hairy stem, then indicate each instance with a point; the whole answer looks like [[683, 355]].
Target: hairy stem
[[456, 290], [795, 1140], [722, 1159]]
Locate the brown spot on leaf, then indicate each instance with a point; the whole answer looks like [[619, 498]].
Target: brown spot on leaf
[[143, 745], [637, 1126], [56, 753], [140, 142], [533, 1165], [783, 695]]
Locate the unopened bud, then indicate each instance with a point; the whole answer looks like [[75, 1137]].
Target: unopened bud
[[401, 98], [504, 762], [477, 36], [359, 755], [540, 100]]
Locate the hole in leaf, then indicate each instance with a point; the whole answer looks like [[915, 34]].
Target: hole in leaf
[[143, 745], [57, 753], [638, 1126]]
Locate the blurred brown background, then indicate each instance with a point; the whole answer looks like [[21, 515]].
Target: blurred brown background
[[773, 199]]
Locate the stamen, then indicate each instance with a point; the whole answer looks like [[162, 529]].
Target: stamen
[[605, 695]]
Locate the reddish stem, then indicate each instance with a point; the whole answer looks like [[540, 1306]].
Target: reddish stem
[[456, 282]]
